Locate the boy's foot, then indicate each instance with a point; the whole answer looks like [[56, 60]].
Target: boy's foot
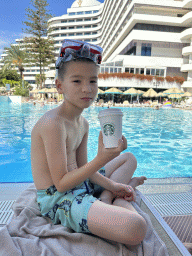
[[136, 181]]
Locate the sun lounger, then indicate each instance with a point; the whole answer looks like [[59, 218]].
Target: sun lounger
[[27, 229]]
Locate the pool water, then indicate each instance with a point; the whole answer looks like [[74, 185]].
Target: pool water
[[161, 140]]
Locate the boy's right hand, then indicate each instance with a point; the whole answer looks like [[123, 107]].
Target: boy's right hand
[[110, 153]]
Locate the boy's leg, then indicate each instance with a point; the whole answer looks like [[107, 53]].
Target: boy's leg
[[121, 170], [116, 223]]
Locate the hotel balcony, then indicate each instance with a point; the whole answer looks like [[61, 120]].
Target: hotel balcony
[[187, 50], [186, 34], [186, 67]]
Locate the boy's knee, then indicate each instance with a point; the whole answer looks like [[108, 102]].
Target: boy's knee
[[136, 231], [131, 159]]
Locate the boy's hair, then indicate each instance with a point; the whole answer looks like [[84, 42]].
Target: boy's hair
[[61, 71]]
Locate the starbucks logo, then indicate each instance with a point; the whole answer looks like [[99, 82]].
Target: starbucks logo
[[108, 129]]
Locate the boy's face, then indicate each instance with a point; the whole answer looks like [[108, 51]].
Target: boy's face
[[79, 85]]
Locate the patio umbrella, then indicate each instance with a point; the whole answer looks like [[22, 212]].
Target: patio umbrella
[[44, 90], [52, 90], [139, 92], [100, 91], [34, 91], [175, 96], [150, 93], [187, 94], [174, 90], [132, 92], [113, 91]]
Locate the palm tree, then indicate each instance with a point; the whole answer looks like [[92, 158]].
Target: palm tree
[[17, 57]]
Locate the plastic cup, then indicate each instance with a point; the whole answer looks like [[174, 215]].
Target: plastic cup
[[111, 126]]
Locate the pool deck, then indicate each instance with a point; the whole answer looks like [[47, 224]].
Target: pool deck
[[171, 197]]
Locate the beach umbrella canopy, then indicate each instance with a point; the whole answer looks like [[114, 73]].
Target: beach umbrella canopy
[[52, 90], [140, 92], [2, 88], [44, 90], [132, 92], [175, 96], [174, 90], [150, 93], [100, 91], [113, 91], [34, 91], [187, 94]]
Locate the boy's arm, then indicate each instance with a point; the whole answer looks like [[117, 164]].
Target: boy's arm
[[81, 158], [54, 137]]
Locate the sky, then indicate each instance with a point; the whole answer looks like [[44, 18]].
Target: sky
[[13, 13]]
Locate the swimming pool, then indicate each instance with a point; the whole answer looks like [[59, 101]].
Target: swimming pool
[[160, 140]]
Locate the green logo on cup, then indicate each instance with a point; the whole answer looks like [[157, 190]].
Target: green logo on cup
[[108, 129]]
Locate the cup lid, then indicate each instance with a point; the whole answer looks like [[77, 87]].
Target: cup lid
[[110, 111]]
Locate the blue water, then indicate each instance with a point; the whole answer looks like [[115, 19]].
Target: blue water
[[161, 140]]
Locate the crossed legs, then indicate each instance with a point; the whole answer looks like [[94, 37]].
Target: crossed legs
[[118, 221]]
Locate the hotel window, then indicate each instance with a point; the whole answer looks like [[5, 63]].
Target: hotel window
[[87, 40], [162, 72], [71, 20], [71, 27], [142, 71], [94, 33], [57, 42], [94, 40], [63, 21], [63, 28], [72, 13], [94, 26], [137, 71], [106, 70], [88, 12], [79, 34], [94, 18], [115, 70], [63, 34], [87, 19], [148, 71], [95, 11], [87, 33], [102, 70], [88, 26], [79, 19], [132, 70], [80, 13], [72, 34], [153, 72], [146, 50], [79, 27], [111, 70]]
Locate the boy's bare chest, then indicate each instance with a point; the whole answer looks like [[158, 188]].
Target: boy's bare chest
[[75, 134]]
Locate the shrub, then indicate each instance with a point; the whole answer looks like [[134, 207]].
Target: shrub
[[179, 79], [169, 79]]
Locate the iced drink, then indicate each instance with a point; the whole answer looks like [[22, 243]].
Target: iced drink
[[111, 126]]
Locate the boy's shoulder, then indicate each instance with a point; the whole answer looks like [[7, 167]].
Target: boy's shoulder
[[49, 120]]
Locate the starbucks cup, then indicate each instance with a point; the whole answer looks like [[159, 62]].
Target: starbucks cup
[[111, 126]]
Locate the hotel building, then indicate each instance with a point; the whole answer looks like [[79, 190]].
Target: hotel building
[[137, 36]]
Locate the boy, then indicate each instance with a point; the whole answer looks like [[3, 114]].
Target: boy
[[66, 184]]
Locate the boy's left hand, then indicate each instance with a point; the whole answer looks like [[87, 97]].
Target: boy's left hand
[[124, 191]]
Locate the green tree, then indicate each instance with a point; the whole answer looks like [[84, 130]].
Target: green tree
[[39, 45], [16, 57], [40, 79], [22, 89]]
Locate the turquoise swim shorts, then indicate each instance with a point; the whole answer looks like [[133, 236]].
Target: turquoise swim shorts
[[70, 208]]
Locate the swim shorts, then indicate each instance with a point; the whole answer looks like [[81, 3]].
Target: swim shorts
[[70, 208]]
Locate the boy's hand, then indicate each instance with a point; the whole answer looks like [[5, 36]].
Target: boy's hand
[[124, 191], [110, 153]]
